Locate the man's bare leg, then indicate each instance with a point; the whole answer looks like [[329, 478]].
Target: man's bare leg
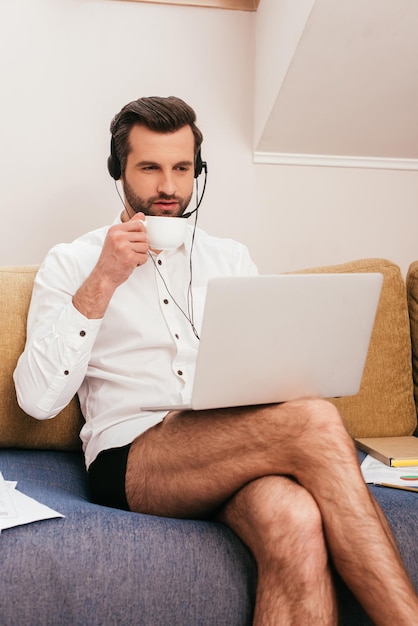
[[192, 463], [281, 524]]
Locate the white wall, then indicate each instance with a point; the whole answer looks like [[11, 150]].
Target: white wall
[[67, 67], [318, 216]]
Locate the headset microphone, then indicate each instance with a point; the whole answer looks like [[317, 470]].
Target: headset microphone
[[204, 167], [115, 170]]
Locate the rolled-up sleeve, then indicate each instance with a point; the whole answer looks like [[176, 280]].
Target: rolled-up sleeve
[[59, 341]]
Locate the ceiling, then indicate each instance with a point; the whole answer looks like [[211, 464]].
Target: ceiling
[[351, 88], [349, 95], [238, 5]]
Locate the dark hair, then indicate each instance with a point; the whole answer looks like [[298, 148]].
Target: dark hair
[[162, 115]]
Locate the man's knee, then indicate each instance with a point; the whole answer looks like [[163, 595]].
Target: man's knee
[[281, 518], [313, 422], [291, 513], [315, 412]]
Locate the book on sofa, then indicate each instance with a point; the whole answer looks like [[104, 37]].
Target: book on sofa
[[393, 451]]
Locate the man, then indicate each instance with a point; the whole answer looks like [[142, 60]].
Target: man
[[114, 320]]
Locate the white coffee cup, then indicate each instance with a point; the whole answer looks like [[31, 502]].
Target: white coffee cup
[[165, 233]]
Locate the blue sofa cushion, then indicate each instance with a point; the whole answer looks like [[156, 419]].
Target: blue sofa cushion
[[101, 566]]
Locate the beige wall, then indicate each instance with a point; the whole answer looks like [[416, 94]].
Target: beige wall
[[68, 66]]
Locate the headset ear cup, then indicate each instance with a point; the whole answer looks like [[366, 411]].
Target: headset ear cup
[[198, 165], [113, 163]]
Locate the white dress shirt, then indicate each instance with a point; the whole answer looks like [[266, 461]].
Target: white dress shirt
[[141, 352]]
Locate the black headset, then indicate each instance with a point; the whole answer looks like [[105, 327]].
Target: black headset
[[115, 170]]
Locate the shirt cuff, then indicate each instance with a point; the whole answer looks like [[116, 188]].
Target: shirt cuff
[[77, 331]]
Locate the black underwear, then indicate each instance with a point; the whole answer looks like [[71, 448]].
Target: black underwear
[[107, 478]]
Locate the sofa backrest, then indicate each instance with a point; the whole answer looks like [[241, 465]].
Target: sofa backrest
[[16, 428], [383, 407]]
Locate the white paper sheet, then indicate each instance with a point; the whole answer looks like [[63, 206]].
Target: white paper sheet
[[7, 508], [376, 472], [17, 508]]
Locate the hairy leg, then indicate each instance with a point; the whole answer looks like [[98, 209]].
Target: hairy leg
[[193, 462], [281, 524]]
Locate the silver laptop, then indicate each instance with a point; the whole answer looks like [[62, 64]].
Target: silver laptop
[[278, 338]]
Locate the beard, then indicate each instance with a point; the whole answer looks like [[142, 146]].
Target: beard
[[142, 205]]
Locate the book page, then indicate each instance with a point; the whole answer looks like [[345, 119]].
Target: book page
[[376, 472]]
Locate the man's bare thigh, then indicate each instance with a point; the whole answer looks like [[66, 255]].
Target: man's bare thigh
[[192, 462], [183, 467]]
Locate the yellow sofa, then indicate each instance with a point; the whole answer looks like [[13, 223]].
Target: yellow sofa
[[102, 566]]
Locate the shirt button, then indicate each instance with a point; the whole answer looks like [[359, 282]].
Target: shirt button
[[177, 336], [179, 372], [82, 333], [66, 372], [165, 301], [159, 262]]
